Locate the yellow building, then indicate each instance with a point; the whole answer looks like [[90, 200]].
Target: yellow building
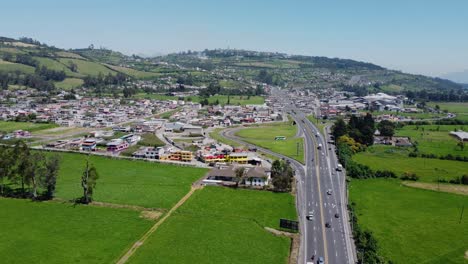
[[237, 157]]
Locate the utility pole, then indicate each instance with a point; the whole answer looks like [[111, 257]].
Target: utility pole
[[461, 214]]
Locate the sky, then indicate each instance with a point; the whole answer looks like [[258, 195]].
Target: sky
[[426, 37]]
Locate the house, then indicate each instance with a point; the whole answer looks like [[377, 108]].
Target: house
[[149, 153], [117, 145], [89, 144], [221, 176], [256, 177]]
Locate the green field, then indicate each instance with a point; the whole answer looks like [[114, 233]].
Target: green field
[[222, 99], [56, 65], [9, 126], [51, 232], [396, 159], [265, 137], [88, 67], [460, 109], [69, 83], [146, 184], [134, 73], [434, 139], [220, 225], [6, 66], [412, 225]]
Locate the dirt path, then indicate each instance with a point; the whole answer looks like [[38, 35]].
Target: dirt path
[[450, 188], [142, 240]]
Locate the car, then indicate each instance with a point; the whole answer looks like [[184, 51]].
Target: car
[[320, 260], [337, 215], [327, 225], [310, 216], [329, 192]]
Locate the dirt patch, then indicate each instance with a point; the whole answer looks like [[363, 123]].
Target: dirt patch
[[125, 206], [466, 254], [150, 215], [450, 188]]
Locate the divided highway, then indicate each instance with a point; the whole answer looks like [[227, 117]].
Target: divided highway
[[321, 194]]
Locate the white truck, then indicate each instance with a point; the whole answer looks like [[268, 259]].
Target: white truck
[[319, 146]]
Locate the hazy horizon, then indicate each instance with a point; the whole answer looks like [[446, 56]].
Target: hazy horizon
[[421, 37]]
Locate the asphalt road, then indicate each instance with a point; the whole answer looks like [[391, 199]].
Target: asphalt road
[[321, 192]]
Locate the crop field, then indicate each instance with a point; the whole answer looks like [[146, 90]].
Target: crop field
[[52, 232], [7, 66], [9, 126], [88, 67], [146, 184], [220, 225], [397, 160], [264, 136], [412, 225], [434, 139]]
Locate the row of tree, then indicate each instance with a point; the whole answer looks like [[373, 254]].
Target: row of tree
[[28, 174]]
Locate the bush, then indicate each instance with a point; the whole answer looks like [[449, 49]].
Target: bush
[[385, 174], [409, 176]]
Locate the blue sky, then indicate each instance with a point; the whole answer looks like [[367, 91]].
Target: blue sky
[[428, 37]]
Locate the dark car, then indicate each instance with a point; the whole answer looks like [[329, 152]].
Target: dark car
[[337, 215], [327, 225]]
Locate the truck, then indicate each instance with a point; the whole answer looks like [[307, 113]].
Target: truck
[[319, 146], [339, 167]]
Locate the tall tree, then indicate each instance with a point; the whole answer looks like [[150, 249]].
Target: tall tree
[[239, 174], [7, 163], [88, 182], [339, 128], [22, 154], [386, 128], [34, 171], [49, 178]]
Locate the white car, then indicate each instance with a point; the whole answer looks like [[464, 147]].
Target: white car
[[329, 192]]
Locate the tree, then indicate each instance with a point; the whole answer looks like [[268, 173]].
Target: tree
[[34, 171], [49, 178], [7, 163], [22, 154], [339, 128], [88, 182], [282, 176], [386, 128], [461, 144], [239, 174]]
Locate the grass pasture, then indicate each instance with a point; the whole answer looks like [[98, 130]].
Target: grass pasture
[[460, 109], [88, 67], [147, 184], [69, 83], [412, 225], [52, 232], [6, 66], [434, 139], [220, 225], [264, 136], [134, 73], [56, 65], [222, 99], [397, 160], [9, 126]]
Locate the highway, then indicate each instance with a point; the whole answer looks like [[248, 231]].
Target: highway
[[321, 192]]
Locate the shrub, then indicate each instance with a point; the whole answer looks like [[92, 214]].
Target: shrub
[[410, 176]]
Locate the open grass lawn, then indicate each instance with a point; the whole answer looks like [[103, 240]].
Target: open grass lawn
[[88, 67], [51, 232], [7, 66], [434, 139], [412, 225], [146, 184], [69, 83], [220, 225], [397, 160], [9, 126], [265, 137]]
